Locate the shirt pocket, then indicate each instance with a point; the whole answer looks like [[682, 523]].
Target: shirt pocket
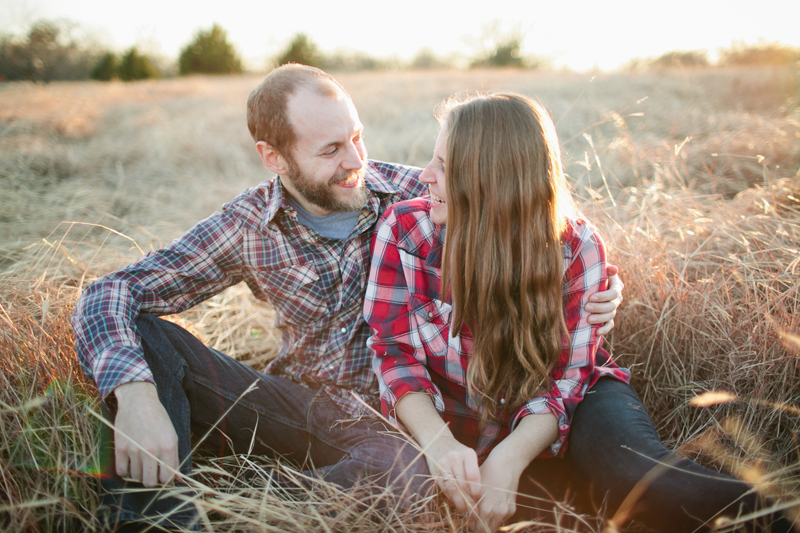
[[433, 323], [294, 293]]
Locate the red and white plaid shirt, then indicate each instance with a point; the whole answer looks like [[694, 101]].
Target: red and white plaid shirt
[[316, 285], [415, 351]]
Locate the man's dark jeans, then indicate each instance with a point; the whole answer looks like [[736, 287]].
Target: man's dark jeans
[[614, 448], [203, 392]]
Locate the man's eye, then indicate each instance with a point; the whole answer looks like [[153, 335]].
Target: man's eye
[[332, 151]]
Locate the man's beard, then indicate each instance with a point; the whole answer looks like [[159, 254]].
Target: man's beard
[[322, 194]]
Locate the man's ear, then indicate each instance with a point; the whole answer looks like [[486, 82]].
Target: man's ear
[[272, 159]]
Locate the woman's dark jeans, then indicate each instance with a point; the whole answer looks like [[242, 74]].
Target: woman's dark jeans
[[202, 389], [612, 447]]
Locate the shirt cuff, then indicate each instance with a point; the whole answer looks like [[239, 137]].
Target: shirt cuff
[[546, 405], [117, 366], [398, 390]]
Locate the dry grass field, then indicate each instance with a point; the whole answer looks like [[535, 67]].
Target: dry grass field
[[692, 176]]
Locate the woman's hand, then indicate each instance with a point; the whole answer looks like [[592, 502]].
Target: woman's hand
[[498, 501], [455, 468], [453, 465], [501, 471]]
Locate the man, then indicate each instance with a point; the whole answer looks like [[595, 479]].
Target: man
[[300, 241]]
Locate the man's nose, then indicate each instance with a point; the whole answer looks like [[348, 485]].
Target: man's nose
[[354, 159]]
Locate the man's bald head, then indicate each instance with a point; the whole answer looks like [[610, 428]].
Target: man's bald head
[[267, 115]]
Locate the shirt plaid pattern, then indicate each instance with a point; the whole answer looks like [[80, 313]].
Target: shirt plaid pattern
[[316, 285], [415, 351]]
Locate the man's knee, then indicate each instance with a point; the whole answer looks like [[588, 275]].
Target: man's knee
[[167, 347], [410, 481], [399, 462], [152, 331], [152, 327], [415, 468]]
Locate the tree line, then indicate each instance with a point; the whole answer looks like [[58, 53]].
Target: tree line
[[56, 50], [738, 54], [52, 50]]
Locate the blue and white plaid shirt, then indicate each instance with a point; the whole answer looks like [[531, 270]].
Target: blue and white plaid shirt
[[315, 284]]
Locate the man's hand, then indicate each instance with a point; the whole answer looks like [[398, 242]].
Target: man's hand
[[498, 502], [455, 468], [603, 305], [145, 442]]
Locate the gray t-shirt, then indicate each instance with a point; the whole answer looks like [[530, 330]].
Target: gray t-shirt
[[337, 226]]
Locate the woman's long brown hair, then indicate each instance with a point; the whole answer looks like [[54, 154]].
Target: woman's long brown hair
[[507, 208]]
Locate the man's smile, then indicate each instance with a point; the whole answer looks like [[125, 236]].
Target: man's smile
[[348, 181]]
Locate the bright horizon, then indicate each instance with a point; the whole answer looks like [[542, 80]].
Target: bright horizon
[[580, 34]]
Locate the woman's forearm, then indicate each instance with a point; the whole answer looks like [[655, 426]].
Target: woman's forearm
[[532, 436], [454, 465], [417, 413], [501, 472]]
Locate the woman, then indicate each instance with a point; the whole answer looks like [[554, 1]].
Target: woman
[[482, 347]]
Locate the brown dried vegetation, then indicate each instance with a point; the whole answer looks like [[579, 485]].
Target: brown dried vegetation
[[698, 200]]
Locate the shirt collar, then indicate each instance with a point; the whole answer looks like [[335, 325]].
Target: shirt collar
[[374, 181], [434, 258], [377, 182], [275, 202]]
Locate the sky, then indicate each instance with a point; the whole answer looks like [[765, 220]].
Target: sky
[[579, 34]]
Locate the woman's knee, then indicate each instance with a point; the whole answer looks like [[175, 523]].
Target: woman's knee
[[613, 443], [611, 425]]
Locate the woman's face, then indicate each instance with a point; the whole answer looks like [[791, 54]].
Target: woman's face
[[433, 175]]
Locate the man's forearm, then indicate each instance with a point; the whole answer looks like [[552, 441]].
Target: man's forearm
[[131, 391]]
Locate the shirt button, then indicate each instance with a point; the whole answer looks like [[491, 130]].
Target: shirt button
[[502, 401], [344, 330], [430, 315]]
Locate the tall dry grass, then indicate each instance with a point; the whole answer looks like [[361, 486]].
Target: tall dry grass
[[714, 305], [696, 190], [161, 155]]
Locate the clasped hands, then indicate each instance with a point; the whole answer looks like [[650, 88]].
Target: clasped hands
[[487, 492]]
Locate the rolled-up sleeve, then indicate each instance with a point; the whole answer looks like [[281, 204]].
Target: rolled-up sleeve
[[399, 357]]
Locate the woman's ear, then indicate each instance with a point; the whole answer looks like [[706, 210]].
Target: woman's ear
[[271, 158]]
